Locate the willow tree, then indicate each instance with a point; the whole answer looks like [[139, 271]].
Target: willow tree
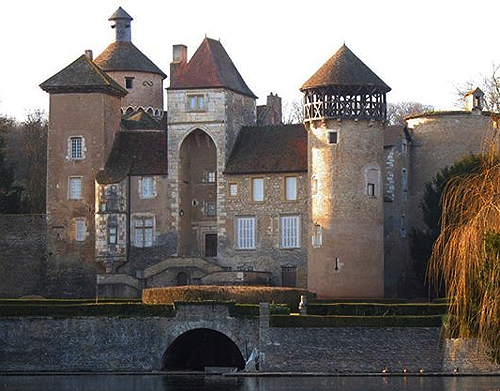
[[467, 254]]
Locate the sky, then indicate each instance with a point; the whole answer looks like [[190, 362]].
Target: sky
[[421, 49]]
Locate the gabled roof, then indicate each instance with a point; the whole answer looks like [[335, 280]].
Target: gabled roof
[[135, 153], [140, 120], [211, 67], [268, 149], [392, 134], [82, 75], [120, 13], [124, 56], [344, 69]]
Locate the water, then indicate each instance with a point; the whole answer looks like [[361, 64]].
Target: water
[[221, 383]]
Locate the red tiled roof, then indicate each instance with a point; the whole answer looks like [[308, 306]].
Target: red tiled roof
[[263, 149], [344, 68], [211, 67]]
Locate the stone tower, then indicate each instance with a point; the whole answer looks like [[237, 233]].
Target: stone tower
[[345, 111], [130, 68], [83, 118], [208, 103]]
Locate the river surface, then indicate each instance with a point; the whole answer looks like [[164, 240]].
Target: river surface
[[220, 383]]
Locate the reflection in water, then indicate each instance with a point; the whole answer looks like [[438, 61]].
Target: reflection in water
[[221, 383]]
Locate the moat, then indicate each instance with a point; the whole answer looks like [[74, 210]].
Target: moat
[[94, 382]]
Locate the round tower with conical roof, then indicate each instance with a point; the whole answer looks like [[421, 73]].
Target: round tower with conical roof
[[133, 70], [345, 112]]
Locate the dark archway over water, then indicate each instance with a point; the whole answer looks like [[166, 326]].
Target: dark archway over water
[[200, 348]]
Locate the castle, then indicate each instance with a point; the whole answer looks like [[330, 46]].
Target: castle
[[216, 190]]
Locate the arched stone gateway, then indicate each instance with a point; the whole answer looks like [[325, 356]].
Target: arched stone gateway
[[200, 348]]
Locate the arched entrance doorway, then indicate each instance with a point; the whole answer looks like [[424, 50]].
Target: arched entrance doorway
[[200, 348], [198, 195]]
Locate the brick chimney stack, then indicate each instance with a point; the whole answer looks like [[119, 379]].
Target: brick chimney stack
[[179, 60]]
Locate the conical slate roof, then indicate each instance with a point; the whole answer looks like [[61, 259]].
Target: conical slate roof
[[211, 67], [344, 68], [124, 56], [120, 13], [82, 75]]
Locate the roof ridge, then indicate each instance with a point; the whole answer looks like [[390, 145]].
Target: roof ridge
[[214, 58]]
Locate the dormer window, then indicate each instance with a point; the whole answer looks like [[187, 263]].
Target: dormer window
[[196, 102], [129, 83]]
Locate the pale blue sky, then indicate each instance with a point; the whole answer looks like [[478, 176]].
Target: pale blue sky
[[419, 48]]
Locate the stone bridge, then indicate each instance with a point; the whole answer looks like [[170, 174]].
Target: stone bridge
[[197, 336], [206, 335]]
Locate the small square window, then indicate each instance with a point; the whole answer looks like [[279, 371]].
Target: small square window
[[79, 230], [258, 189], [317, 238], [211, 177], [196, 102], [129, 83], [147, 187], [370, 189], [233, 189], [75, 188], [210, 208], [112, 235], [333, 137]]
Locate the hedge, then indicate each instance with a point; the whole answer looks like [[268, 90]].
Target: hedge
[[75, 310], [374, 309], [239, 294], [305, 321]]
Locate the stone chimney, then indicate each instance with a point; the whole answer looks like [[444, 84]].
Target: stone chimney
[[179, 60], [89, 55], [270, 113], [475, 100]]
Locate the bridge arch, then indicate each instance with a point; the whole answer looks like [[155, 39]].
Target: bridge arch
[[202, 347]]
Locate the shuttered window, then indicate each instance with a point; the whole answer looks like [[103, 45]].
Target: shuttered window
[[290, 231], [245, 232]]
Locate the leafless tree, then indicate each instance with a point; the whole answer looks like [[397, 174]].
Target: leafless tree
[[396, 112], [32, 164], [293, 112], [490, 85]]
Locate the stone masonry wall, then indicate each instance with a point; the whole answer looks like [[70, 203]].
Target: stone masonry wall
[[350, 349], [267, 255], [22, 252], [111, 343]]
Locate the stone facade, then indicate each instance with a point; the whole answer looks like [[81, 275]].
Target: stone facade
[[346, 208], [356, 196]]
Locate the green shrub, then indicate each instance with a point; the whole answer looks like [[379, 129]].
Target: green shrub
[[87, 309], [239, 294], [305, 321], [374, 309]]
